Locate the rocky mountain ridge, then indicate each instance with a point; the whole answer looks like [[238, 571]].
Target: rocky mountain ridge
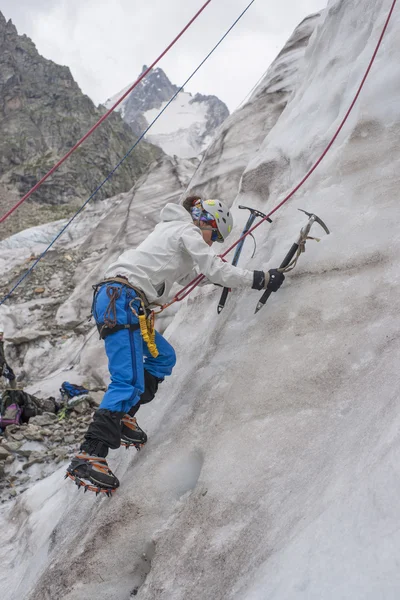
[[43, 113], [187, 128], [150, 93]]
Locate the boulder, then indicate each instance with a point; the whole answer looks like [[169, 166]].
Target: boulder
[[46, 418], [4, 453]]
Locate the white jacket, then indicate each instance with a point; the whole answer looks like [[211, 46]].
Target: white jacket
[[174, 252]]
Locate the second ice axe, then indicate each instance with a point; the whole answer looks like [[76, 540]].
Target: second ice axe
[[252, 217], [290, 260]]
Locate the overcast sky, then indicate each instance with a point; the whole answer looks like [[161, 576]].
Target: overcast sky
[[106, 42]]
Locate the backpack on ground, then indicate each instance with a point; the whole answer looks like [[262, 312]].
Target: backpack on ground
[[71, 390], [31, 406], [10, 411], [16, 407], [11, 416]]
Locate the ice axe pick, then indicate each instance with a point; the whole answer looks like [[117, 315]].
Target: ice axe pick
[[297, 248]]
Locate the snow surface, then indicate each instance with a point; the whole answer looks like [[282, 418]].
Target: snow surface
[[180, 127], [271, 470], [180, 130], [181, 114], [33, 241]]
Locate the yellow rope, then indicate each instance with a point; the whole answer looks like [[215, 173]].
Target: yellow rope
[[147, 328], [149, 335]]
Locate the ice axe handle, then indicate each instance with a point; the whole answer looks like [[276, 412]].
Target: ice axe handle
[[252, 217], [222, 300], [283, 264]]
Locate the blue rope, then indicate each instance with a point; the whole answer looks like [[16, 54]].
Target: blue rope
[[7, 296]]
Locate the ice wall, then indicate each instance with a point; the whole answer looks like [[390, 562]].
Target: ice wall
[[271, 470]]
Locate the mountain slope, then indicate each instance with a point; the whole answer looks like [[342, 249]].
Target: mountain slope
[[271, 468], [43, 113], [242, 133]]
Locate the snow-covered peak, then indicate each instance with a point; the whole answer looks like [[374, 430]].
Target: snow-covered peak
[[185, 130], [154, 89], [191, 121]]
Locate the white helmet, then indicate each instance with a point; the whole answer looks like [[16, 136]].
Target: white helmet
[[222, 215]]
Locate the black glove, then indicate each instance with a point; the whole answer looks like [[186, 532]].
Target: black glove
[[271, 281], [276, 278]]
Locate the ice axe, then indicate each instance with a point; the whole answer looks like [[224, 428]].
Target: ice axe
[[252, 217], [290, 260]]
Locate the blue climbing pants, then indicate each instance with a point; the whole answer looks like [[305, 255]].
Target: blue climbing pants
[[126, 350]]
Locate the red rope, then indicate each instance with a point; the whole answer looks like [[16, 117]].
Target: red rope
[[103, 118], [191, 286]]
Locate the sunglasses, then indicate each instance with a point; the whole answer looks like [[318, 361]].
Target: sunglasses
[[216, 236]]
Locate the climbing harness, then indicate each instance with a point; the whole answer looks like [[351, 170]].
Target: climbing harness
[[144, 315], [252, 217], [110, 314], [110, 325], [105, 331], [299, 246]]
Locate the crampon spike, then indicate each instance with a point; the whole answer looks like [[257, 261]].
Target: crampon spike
[[127, 446], [87, 486]]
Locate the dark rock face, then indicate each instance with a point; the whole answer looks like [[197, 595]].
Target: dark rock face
[[43, 113], [150, 93]]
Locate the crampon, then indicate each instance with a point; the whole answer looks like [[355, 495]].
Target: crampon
[[92, 488], [92, 473], [131, 434], [128, 445]]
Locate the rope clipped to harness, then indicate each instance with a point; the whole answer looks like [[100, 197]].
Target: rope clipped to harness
[[110, 325], [110, 315], [146, 324]]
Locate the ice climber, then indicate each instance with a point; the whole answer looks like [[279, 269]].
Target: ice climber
[[178, 249]]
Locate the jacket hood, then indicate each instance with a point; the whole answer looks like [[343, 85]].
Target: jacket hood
[[175, 212]]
